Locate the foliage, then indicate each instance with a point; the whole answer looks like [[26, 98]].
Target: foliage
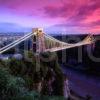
[[52, 98], [4, 75], [17, 78]]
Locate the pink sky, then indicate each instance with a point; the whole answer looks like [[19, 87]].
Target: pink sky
[[75, 16]]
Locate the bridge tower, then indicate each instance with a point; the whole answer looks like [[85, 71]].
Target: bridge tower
[[39, 38]]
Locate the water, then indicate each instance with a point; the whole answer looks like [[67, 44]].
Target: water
[[83, 84]]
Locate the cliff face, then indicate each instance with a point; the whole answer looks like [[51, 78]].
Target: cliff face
[[51, 75]]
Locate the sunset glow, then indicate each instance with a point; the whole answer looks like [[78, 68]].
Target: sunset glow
[[76, 16]]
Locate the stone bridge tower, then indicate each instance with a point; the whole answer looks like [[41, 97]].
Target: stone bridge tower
[[39, 38]]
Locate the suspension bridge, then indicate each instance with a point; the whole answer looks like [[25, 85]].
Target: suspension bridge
[[46, 43]]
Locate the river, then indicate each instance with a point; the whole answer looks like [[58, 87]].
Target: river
[[83, 84]]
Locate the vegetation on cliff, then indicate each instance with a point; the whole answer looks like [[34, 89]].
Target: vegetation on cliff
[[20, 80]]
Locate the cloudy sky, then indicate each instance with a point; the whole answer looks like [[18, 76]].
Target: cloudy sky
[[73, 16]]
